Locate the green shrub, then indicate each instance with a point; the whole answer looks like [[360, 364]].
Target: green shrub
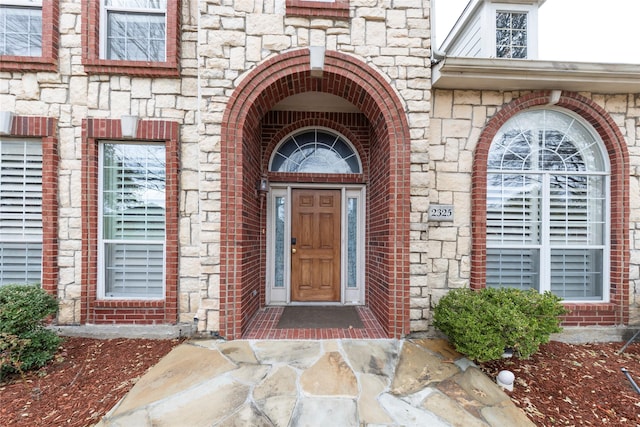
[[24, 341], [482, 324]]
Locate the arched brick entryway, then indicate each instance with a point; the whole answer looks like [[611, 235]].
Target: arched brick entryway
[[387, 260]]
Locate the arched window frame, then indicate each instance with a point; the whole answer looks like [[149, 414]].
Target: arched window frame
[[291, 136], [528, 232]]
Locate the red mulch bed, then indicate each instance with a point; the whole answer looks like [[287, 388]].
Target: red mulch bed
[[561, 385], [576, 385], [84, 381]]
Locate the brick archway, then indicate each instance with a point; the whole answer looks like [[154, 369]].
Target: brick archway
[[241, 259], [615, 312]]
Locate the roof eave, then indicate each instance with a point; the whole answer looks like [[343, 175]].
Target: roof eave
[[515, 74]]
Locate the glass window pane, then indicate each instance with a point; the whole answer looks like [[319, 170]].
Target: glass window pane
[[134, 270], [20, 31], [555, 208], [352, 242], [513, 268], [20, 263], [133, 191], [137, 4], [513, 209], [315, 151], [20, 212], [279, 242], [136, 36], [577, 273]]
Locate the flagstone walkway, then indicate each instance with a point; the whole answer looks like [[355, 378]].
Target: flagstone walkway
[[416, 382]]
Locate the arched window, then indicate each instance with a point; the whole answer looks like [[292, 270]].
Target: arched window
[[315, 150], [547, 207]]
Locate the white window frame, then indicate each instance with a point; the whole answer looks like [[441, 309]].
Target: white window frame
[[489, 39], [545, 246], [104, 19], [29, 4], [282, 295], [26, 237], [101, 285]]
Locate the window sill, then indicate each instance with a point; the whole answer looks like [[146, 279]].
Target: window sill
[[27, 63], [130, 303], [131, 68]]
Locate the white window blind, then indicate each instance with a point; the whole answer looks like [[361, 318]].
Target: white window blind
[[20, 211], [546, 207], [133, 220]]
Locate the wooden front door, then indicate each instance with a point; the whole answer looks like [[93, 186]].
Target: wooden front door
[[315, 245]]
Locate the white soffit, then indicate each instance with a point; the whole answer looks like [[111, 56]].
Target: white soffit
[[517, 74]]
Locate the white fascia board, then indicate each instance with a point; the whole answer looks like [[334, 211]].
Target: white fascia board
[[517, 74]]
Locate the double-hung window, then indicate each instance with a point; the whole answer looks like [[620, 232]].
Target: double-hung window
[[547, 207], [21, 27], [20, 211], [132, 211], [134, 30]]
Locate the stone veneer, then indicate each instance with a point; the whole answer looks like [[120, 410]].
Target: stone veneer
[[220, 42]]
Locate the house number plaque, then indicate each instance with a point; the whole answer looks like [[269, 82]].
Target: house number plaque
[[441, 213]]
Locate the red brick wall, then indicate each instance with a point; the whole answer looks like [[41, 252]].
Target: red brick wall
[[387, 264], [616, 312], [318, 9], [45, 128], [102, 311]]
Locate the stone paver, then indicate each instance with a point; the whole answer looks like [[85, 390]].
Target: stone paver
[[330, 376], [315, 383]]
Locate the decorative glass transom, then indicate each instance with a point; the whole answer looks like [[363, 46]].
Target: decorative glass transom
[[315, 150], [547, 191]]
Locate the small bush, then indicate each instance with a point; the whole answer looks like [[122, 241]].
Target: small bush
[[24, 341], [482, 324]]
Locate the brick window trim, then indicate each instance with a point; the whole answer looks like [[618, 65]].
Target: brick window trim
[[50, 43], [128, 311], [93, 64], [318, 9], [616, 311], [44, 128]]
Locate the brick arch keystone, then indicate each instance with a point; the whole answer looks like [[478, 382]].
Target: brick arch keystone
[[257, 92]]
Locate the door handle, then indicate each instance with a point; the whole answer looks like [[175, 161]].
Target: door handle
[[293, 250]]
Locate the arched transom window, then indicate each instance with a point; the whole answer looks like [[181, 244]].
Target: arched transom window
[[547, 204], [315, 150]]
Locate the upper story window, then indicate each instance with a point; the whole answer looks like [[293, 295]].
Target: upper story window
[[495, 29], [21, 28], [131, 37], [28, 35], [511, 35], [135, 30], [315, 151]]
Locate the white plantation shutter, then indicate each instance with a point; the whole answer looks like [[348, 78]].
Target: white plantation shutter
[[20, 211], [133, 220], [546, 207]]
